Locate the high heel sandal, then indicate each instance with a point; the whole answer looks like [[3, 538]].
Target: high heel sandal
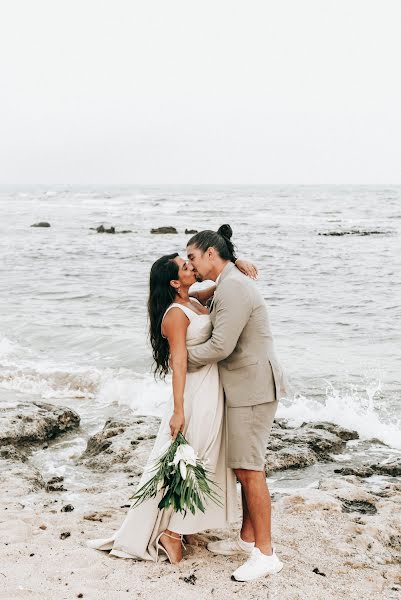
[[159, 546]]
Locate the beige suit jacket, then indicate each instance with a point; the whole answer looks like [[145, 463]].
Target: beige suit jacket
[[241, 343]]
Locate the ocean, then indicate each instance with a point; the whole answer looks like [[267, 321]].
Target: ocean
[[73, 323]]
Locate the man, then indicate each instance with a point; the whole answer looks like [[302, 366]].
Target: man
[[242, 344]]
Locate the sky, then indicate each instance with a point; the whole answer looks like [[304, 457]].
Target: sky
[[200, 92]]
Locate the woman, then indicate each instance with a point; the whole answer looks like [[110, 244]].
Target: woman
[[179, 320]]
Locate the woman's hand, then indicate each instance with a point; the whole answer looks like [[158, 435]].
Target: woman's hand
[[247, 268], [177, 423]]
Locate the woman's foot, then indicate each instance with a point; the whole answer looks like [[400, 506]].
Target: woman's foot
[[172, 543]]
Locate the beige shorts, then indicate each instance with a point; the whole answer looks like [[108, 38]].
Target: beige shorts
[[248, 432]]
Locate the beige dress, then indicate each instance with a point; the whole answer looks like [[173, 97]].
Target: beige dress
[[205, 431]]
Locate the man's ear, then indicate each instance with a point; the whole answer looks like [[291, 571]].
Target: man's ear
[[211, 252]]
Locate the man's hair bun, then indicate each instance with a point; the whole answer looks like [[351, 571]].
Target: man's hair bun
[[225, 231]]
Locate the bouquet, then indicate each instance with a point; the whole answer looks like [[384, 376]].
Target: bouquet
[[182, 477]]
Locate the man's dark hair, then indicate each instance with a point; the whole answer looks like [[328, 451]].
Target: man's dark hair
[[220, 240]]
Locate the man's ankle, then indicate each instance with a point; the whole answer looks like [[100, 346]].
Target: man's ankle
[[247, 537], [266, 549]]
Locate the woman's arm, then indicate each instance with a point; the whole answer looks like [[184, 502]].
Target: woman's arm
[[204, 295], [247, 268], [175, 327], [244, 266]]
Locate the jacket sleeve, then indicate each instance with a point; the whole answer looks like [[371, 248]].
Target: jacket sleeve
[[233, 308]]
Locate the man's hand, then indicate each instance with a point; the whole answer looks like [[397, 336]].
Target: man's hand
[[177, 423]]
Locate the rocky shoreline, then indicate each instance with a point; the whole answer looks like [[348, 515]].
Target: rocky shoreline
[[340, 537]]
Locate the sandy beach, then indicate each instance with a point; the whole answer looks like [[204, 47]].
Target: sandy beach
[[340, 538]]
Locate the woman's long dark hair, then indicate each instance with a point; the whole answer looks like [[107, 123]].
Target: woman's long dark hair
[[161, 295], [220, 240]]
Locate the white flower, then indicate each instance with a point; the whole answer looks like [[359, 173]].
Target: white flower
[[184, 455]]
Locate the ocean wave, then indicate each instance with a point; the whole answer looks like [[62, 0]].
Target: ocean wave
[[360, 410]]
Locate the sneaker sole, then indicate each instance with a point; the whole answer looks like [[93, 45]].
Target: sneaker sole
[[274, 572], [229, 553]]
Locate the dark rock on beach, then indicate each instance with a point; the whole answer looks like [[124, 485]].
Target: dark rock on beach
[[387, 467], [125, 445], [25, 423], [159, 230], [296, 448], [41, 224], [191, 231], [55, 484], [121, 445]]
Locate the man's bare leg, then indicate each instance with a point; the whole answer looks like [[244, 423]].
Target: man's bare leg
[[247, 533], [258, 505]]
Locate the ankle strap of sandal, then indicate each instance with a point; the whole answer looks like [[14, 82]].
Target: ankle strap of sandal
[[175, 538]]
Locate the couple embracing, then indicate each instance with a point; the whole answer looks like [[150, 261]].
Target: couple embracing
[[227, 383]]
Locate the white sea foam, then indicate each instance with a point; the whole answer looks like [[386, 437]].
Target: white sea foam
[[362, 411]]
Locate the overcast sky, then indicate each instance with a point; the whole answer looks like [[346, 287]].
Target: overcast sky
[[205, 91]]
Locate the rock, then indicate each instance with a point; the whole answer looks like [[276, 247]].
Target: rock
[[299, 447], [54, 484], [32, 422], [160, 230], [363, 471], [353, 232], [310, 500], [10, 452], [111, 229], [121, 445], [103, 229], [64, 535], [67, 508], [289, 458], [387, 467], [341, 432], [20, 477], [191, 231], [282, 423], [96, 516], [41, 224], [361, 506]]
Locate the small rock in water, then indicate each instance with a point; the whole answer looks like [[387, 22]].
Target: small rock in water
[[43, 526], [159, 230], [103, 229], [353, 232], [191, 231], [67, 508], [41, 224], [64, 535]]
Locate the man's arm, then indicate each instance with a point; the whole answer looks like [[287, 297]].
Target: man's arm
[[233, 308]]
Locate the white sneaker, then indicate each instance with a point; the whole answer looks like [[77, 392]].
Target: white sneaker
[[258, 565], [231, 547]]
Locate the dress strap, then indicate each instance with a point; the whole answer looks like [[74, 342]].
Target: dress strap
[[190, 314]]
